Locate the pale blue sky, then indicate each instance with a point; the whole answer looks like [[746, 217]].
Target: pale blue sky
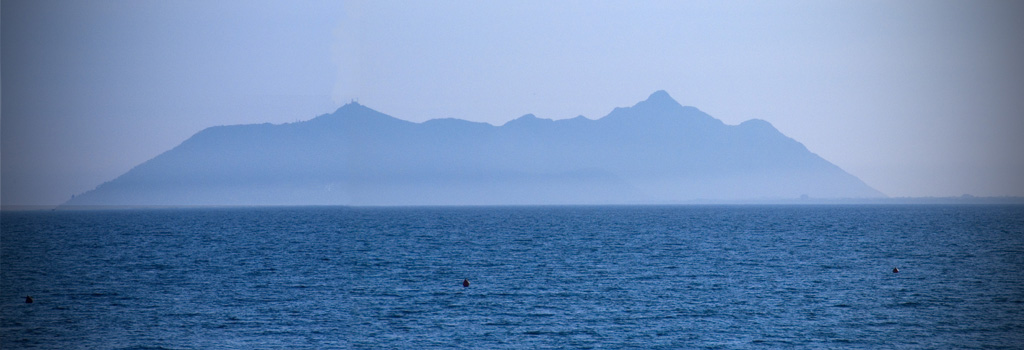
[[917, 98]]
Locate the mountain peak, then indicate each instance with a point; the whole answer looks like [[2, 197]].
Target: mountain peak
[[659, 100], [659, 105], [351, 106], [660, 96], [527, 119]]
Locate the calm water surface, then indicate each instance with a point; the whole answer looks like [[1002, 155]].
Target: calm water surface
[[728, 277]]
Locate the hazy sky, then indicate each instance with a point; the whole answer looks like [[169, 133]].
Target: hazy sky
[[915, 98]]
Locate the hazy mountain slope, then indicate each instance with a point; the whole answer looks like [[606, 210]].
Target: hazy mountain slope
[[654, 152]]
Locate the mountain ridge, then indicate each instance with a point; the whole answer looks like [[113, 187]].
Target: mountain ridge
[[656, 151]]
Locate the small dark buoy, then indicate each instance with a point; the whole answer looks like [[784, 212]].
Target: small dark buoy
[[465, 283], [28, 300], [895, 270]]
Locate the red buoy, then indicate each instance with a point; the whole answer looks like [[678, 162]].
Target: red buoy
[[465, 283]]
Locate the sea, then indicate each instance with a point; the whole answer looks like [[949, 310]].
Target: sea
[[576, 277]]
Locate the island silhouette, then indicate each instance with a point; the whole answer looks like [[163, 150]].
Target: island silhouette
[[656, 151]]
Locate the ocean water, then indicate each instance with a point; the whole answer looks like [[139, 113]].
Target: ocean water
[[702, 277]]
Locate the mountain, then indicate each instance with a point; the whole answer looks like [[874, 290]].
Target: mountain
[[656, 151]]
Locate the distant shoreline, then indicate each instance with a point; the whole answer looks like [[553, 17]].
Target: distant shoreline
[[961, 200]]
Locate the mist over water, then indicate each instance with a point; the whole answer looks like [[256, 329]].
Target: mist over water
[[568, 277]]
